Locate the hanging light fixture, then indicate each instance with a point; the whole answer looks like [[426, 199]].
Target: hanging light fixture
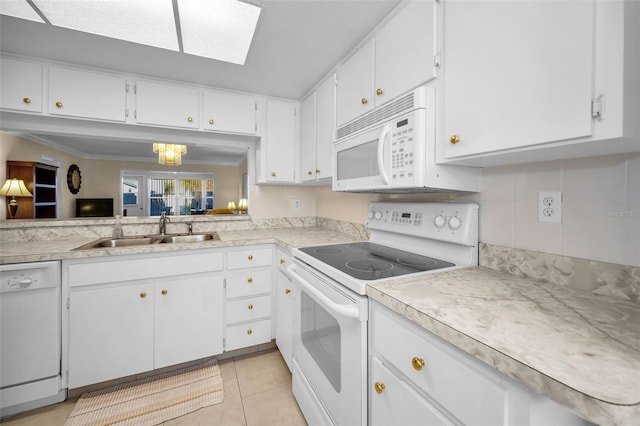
[[169, 154]]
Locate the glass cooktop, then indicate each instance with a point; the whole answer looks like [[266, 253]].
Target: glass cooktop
[[370, 261]]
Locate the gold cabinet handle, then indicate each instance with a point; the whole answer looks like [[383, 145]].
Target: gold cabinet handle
[[454, 139], [249, 331], [287, 291], [249, 280], [250, 257], [143, 295], [379, 387], [282, 261], [317, 170], [273, 174], [364, 101], [250, 307], [164, 292], [211, 121], [26, 100], [309, 172], [59, 104], [379, 92], [417, 363], [189, 119]]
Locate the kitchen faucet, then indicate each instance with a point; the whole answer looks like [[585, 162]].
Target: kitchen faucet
[[163, 223]]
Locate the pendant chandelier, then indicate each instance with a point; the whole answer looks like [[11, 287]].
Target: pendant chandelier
[[169, 154]]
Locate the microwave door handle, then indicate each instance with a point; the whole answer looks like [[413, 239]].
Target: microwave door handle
[[381, 140]]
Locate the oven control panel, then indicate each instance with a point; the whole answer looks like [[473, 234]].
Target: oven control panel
[[452, 222]]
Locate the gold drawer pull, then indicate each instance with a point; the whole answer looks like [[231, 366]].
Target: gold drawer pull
[[250, 257], [250, 307], [379, 92], [309, 172], [249, 331], [379, 387], [287, 291], [189, 119], [417, 363], [364, 101], [164, 291], [273, 174], [454, 139], [59, 104], [143, 295], [282, 261], [26, 100], [211, 121], [317, 170], [249, 280]]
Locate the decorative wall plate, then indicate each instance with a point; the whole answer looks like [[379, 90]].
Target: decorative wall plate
[[74, 179]]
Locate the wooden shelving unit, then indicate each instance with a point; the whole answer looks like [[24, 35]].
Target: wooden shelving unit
[[42, 182]]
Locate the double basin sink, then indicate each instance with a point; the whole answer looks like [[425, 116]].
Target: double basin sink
[[149, 240]]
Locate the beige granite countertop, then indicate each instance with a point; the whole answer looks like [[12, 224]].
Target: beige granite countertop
[[63, 248], [578, 348]]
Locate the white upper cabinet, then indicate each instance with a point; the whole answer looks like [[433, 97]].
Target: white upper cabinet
[[536, 81], [278, 142], [229, 112], [20, 85], [166, 105], [317, 130], [399, 58], [87, 94]]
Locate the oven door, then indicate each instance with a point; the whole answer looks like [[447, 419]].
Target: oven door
[[329, 349]]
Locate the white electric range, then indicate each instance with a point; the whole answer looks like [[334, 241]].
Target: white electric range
[[330, 322]]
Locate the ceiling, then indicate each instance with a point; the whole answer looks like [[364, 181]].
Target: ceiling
[[297, 42]]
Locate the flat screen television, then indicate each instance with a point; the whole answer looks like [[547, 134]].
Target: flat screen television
[[94, 207]]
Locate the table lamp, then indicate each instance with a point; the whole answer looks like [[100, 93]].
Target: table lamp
[[243, 205], [14, 188]]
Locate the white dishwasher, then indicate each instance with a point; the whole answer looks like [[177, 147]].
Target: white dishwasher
[[30, 336]]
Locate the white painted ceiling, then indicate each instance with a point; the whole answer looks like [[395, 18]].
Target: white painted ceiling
[[297, 42]]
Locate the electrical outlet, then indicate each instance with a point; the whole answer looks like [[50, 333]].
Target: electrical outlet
[[550, 207], [296, 204]]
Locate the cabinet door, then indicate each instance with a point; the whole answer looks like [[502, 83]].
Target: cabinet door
[[87, 94], [20, 85], [517, 74], [284, 316], [279, 142], [110, 333], [166, 105], [405, 51], [325, 127], [396, 403], [228, 112], [308, 138], [354, 88], [188, 319]]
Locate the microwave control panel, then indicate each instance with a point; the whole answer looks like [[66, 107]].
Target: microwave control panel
[[402, 149]]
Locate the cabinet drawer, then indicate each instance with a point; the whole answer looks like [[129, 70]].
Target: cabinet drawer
[[249, 258], [481, 400], [248, 309], [250, 334], [248, 283], [398, 403]]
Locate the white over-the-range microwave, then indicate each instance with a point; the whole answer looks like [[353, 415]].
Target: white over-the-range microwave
[[392, 149]]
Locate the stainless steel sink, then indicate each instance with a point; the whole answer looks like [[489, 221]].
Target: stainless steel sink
[[149, 239]]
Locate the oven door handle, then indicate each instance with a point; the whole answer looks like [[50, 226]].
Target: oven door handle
[[350, 311]]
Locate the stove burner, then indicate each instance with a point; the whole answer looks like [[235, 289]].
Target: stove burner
[[418, 262], [369, 265], [329, 250]]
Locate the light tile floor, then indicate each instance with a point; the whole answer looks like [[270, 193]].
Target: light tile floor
[[257, 391]]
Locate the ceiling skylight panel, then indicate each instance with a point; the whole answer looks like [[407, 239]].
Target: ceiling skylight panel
[[19, 9], [149, 22], [220, 29]]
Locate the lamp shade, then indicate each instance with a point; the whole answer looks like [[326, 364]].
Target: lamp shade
[[15, 188], [242, 204], [231, 205]]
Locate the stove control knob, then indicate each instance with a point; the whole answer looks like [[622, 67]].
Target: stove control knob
[[455, 222], [378, 215], [440, 221], [370, 214]]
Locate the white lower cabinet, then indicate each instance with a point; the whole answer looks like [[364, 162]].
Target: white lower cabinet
[[248, 301], [134, 314], [284, 307], [418, 378]]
